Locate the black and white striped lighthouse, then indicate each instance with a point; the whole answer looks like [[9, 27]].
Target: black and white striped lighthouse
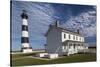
[[25, 36]]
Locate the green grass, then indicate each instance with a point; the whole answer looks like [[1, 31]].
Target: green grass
[[22, 59], [23, 55]]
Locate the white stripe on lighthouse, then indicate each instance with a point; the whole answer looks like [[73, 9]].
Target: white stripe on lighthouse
[[24, 33], [25, 44], [25, 22]]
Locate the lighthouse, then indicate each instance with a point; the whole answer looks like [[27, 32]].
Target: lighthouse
[[25, 34]]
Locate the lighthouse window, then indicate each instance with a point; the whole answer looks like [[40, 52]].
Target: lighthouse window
[[64, 35]]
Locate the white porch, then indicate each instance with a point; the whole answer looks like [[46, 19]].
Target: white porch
[[72, 47]]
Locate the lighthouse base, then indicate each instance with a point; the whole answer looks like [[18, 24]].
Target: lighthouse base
[[26, 50]]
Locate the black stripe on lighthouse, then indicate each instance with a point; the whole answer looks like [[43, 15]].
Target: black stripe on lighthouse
[[24, 28], [24, 40]]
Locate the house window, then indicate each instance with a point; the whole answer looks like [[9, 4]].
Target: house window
[[74, 46], [80, 38], [64, 35], [64, 47], [73, 37], [69, 46], [69, 36], [81, 44], [76, 38]]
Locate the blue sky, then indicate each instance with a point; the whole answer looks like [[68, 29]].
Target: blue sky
[[41, 15]]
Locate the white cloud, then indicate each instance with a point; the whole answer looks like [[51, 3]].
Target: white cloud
[[40, 17], [86, 22]]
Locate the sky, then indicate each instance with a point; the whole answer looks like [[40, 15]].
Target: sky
[[41, 15]]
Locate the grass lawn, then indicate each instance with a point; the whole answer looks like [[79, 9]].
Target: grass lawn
[[23, 59]]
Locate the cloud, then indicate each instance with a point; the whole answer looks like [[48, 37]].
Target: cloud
[[41, 15], [85, 21]]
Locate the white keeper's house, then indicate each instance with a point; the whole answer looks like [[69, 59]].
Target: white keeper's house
[[63, 41]]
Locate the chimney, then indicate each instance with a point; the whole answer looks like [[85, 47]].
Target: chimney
[[78, 31], [57, 23]]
